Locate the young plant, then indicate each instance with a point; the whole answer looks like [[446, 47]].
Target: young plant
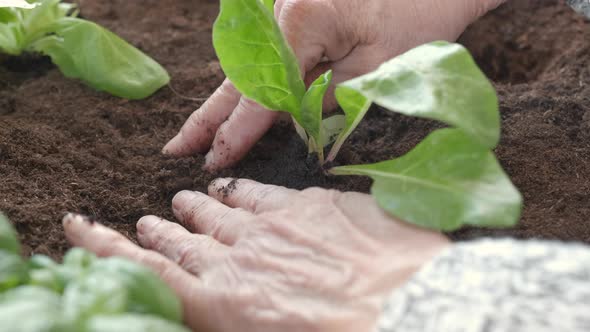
[[449, 180], [256, 58], [80, 48], [84, 293]]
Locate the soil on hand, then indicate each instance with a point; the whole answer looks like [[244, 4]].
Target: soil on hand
[[65, 147]]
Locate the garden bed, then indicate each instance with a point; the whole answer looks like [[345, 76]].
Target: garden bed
[[65, 147]]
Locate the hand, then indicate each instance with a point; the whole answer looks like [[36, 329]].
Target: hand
[[350, 37], [257, 258]]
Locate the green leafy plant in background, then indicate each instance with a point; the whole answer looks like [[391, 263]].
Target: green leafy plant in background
[[450, 179], [83, 294], [80, 48]]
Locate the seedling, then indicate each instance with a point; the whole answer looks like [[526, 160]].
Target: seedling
[[80, 48], [450, 179], [84, 293]]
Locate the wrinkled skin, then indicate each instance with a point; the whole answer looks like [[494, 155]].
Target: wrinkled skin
[[256, 258], [351, 37]]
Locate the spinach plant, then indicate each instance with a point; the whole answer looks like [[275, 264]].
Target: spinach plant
[[450, 179], [83, 294], [80, 48], [256, 58]]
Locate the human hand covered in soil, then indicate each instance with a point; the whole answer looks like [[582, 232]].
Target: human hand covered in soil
[[350, 37], [254, 257]]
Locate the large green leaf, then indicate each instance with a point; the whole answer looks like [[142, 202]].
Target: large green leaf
[[256, 58], [81, 49], [447, 181], [438, 81], [84, 50], [312, 110]]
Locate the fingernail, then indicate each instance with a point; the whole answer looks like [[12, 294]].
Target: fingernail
[[220, 183], [181, 199], [170, 146], [75, 220], [209, 162], [145, 224], [220, 187]]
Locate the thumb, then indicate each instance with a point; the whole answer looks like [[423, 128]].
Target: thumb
[[314, 32]]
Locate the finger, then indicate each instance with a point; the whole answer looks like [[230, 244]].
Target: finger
[[105, 242], [246, 125], [205, 215], [198, 132], [251, 195], [193, 252]]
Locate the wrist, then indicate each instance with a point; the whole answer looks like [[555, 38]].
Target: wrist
[[423, 247]]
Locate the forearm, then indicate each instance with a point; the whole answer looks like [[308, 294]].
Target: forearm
[[496, 285]]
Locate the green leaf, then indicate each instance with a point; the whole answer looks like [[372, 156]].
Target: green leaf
[[94, 294], [29, 309], [438, 81], [17, 4], [8, 237], [84, 50], [270, 4], [131, 323], [78, 258], [8, 15], [256, 58], [355, 106], [38, 22], [46, 273], [10, 39], [47, 278], [146, 292], [20, 27], [312, 110], [13, 271], [447, 181], [331, 128]]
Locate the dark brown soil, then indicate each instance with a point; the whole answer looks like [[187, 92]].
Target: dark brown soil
[[65, 147]]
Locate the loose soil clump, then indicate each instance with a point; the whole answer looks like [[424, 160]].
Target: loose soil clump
[[65, 147]]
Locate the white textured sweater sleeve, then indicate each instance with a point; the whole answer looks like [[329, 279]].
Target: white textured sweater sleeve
[[496, 286]]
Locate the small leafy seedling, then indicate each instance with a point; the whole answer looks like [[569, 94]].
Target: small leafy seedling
[[80, 48], [256, 58], [449, 180], [84, 293]]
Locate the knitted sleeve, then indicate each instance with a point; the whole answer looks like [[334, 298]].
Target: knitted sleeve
[[496, 286]]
